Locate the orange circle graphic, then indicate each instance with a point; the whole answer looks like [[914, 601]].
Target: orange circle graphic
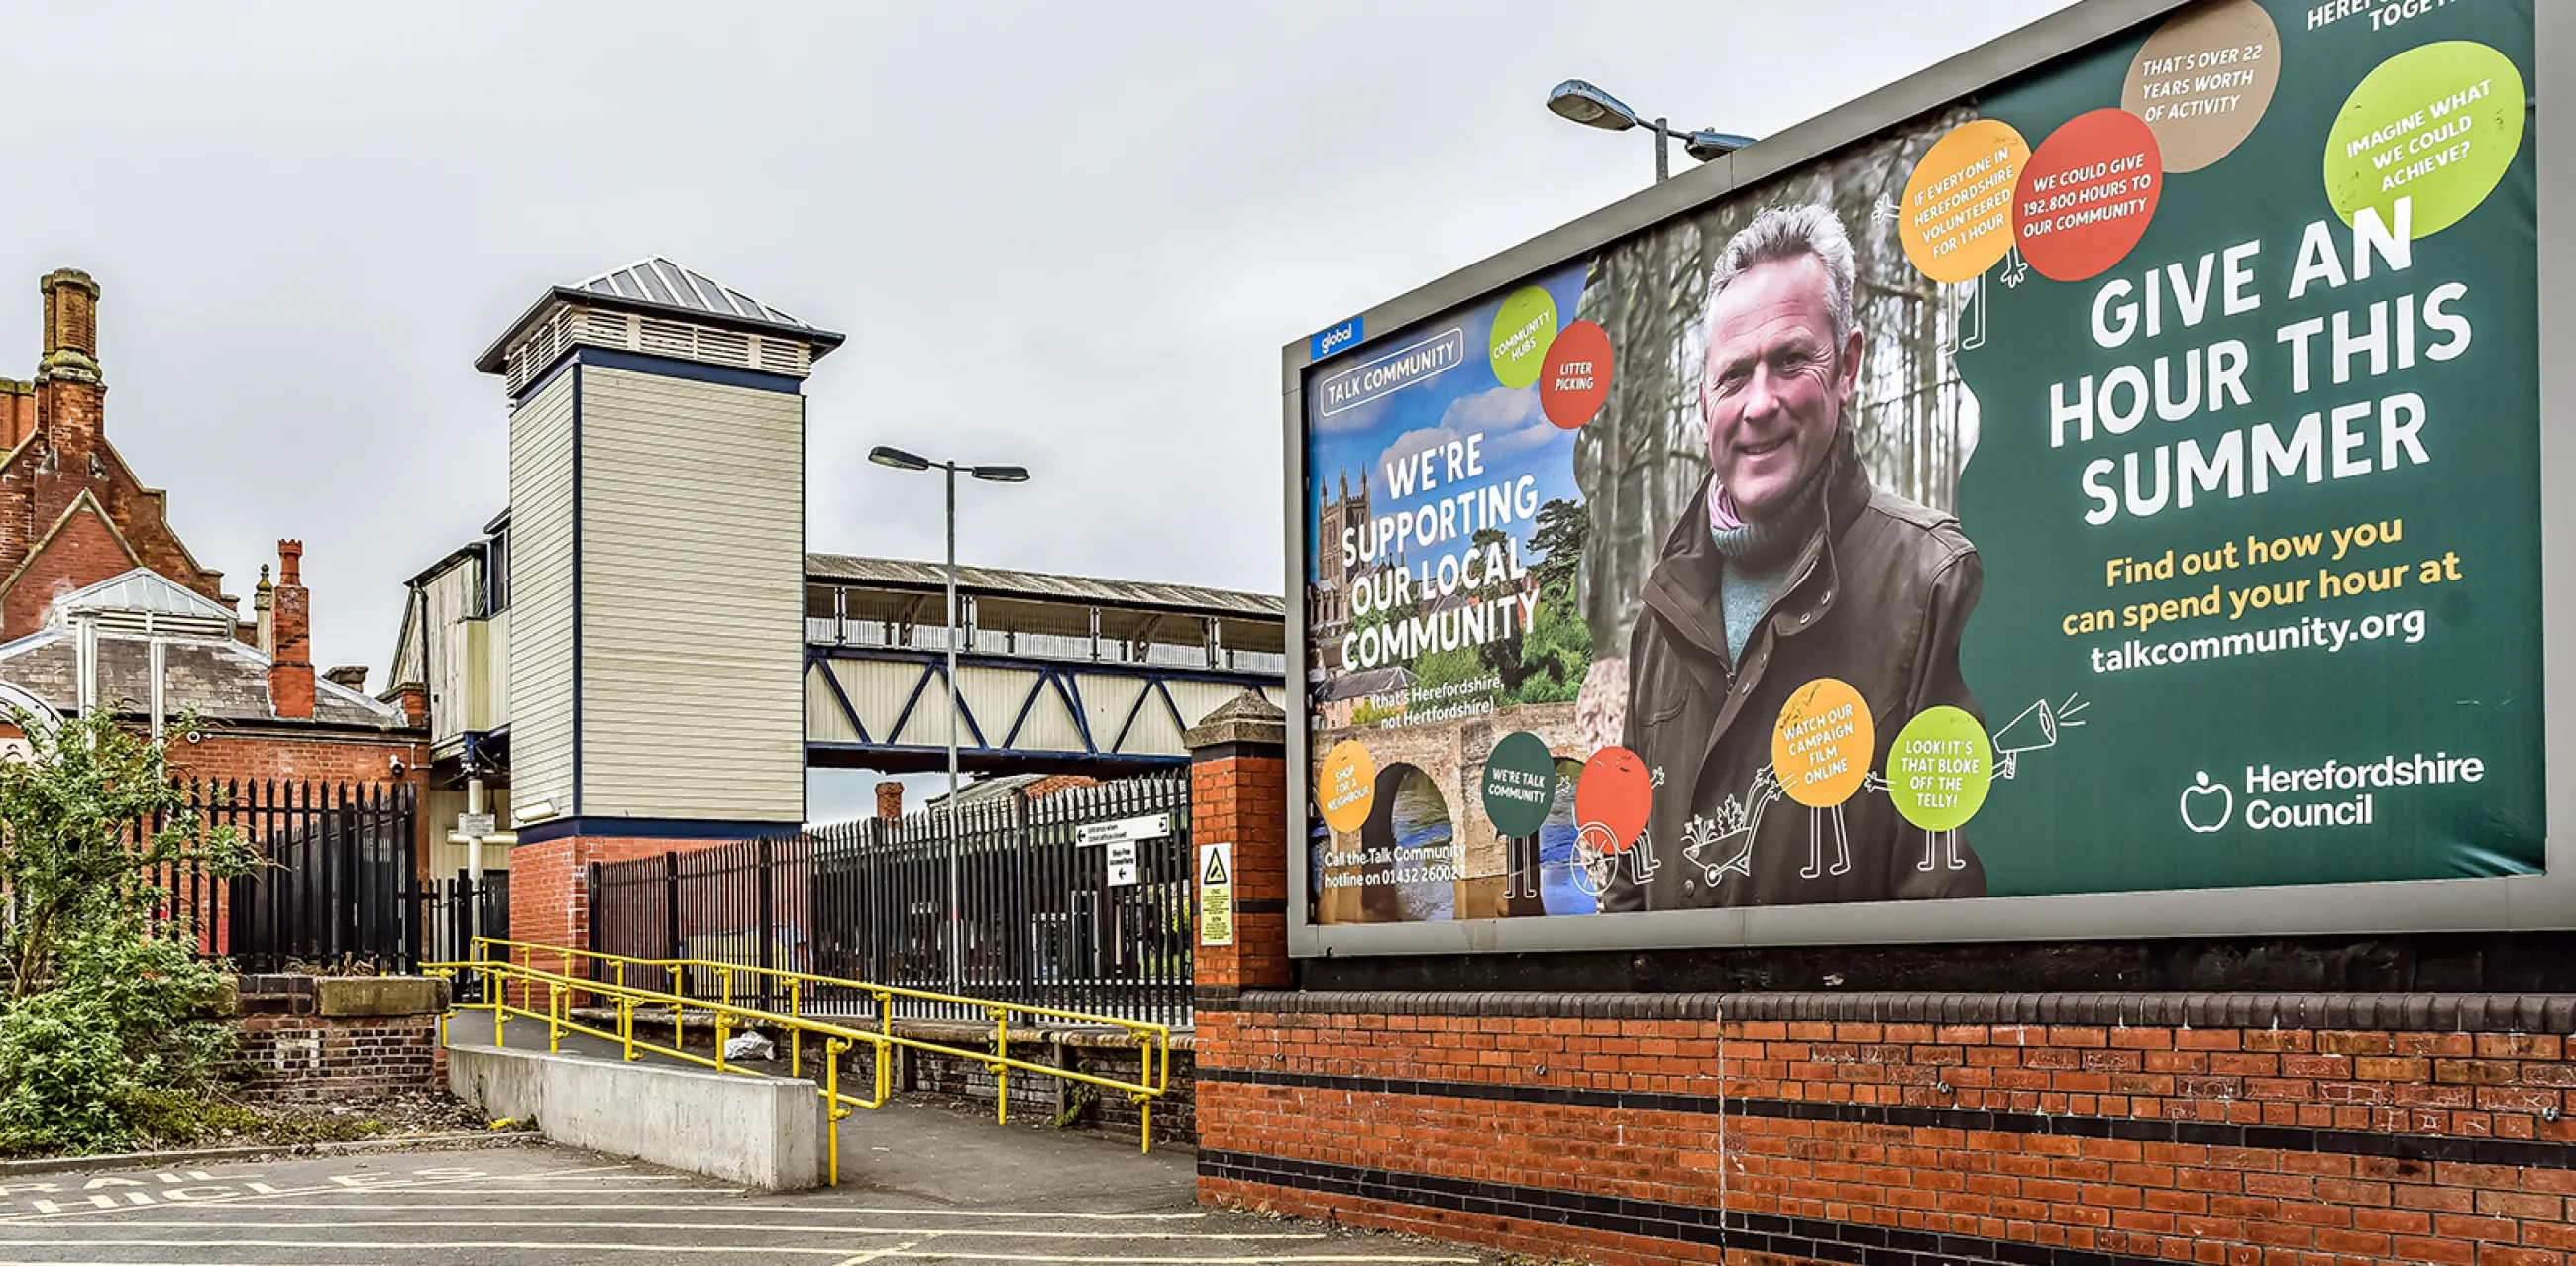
[[1346, 789], [1821, 748], [1957, 219]]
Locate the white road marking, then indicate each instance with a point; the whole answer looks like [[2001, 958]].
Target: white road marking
[[736, 1207], [202, 1224], [558, 1246], [863, 1258], [267, 1192]]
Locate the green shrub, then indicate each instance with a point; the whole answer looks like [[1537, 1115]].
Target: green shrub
[[102, 1045], [113, 1053]]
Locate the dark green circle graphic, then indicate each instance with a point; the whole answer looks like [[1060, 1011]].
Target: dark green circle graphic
[[1520, 784]]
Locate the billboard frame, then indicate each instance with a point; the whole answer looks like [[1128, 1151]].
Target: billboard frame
[[2521, 903]]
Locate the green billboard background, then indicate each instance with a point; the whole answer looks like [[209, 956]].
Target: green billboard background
[[2104, 808]]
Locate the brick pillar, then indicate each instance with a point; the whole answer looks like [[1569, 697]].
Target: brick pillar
[[1239, 794], [290, 669], [890, 799]]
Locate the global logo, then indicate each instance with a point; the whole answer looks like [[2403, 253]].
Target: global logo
[[1335, 339], [2206, 805]]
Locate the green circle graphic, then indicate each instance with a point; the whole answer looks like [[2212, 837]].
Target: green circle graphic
[[1520, 784], [2439, 124], [1523, 328], [1940, 769]]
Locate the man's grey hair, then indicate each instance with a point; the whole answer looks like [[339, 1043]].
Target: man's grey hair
[[1784, 233]]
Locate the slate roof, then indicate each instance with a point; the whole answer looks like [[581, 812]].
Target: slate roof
[[1361, 685], [901, 573], [218, 680], [204, 669]]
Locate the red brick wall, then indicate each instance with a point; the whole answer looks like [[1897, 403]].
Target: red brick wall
[[550, 886], [351, 759], [1961, 1142], [301, 1058], [83, 553], [2109, 1129]]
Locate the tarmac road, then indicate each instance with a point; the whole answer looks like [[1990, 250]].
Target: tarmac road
[[922, 1183]]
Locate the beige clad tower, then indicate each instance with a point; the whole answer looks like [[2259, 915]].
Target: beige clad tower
[[655, 558]]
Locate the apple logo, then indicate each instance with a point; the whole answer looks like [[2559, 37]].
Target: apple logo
[[2206, 805]]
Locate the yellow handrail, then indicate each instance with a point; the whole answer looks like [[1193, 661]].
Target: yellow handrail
[[561, 988], [1153, 1041]]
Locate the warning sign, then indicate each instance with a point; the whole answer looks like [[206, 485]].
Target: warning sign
[[1216, 894]]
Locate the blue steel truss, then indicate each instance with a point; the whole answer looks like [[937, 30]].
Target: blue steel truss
[[976, 750]]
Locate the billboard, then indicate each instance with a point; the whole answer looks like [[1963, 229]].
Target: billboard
[[2120, 477]]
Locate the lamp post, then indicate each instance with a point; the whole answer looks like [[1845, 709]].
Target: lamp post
[[1574, 99], [901, 460]]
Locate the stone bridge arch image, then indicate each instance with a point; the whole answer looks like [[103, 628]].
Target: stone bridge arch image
[[1358, 885]]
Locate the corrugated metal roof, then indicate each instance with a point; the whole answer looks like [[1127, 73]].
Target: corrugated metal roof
[[901, 573], [654, 279]]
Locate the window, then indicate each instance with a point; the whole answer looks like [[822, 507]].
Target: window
[[496, 572]]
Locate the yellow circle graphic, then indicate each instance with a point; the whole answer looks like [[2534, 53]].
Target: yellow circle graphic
[[1957, 220], [1347, 787], [1821, 748]]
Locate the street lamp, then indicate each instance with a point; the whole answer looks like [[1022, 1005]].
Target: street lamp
[[1585, 104], [897, 458]]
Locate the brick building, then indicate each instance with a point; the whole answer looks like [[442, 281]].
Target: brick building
[[102, 605]]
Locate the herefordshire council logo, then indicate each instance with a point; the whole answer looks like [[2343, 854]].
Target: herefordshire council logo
[[2206, 806]]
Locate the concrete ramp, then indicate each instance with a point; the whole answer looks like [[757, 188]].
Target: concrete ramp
[[766, 1132]]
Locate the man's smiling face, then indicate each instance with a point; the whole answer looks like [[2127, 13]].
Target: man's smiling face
[[1777, 386]]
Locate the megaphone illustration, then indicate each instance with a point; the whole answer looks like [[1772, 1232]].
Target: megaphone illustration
[[2036, 729]]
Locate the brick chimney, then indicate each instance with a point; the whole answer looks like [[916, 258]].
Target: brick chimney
[[290, 669], [890, 799], [17, 412], [414, 698], [71, 395]]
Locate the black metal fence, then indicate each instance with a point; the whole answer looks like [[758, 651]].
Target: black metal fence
[[337, 882], [1043, 919], [455, 911]]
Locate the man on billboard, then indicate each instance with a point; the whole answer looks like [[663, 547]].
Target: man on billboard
[[1788, 568]]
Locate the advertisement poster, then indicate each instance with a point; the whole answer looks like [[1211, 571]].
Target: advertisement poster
[[2125, 479]]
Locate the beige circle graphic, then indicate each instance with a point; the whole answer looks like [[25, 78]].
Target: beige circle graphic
[[2204, 80], [1346, 789]]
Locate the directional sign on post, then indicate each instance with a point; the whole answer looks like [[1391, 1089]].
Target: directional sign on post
[[1151, 827], [1216, 894]]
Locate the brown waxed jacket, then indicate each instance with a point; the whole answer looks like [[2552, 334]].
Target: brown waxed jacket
[[1878, 599]]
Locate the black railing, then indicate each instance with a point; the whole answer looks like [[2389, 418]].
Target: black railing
[[336, 886], [453, 912], [1046, 920]]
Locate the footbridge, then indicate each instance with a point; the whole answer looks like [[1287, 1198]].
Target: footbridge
[[1062, 674]]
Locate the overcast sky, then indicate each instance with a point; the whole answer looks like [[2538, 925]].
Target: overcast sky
[[1068, 235]]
